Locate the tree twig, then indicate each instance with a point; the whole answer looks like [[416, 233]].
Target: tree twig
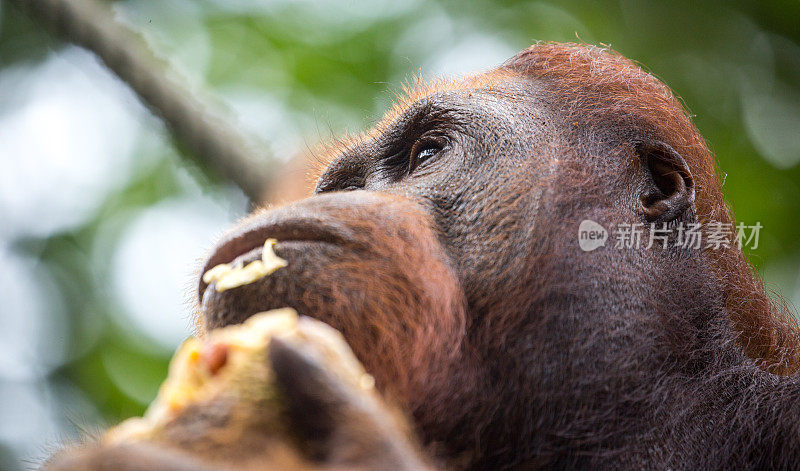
[[209, 138]]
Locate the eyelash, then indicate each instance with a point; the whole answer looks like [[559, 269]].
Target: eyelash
[[430, 146]]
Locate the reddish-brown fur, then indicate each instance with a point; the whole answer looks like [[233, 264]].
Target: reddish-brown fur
[[458, 282], [604, 87]]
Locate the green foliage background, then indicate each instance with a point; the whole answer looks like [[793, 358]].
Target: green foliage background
[[332, 66]]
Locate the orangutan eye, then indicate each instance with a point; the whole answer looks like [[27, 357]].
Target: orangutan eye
[[423, 151], [426, 153]]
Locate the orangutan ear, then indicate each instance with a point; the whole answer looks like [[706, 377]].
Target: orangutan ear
[[668, 190]]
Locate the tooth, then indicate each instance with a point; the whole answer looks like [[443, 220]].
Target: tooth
[[271, 261], [227, 276], [251, 272], [216, 273]]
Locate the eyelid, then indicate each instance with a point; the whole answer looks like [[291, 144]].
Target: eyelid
[[427, 140], [438, 136]]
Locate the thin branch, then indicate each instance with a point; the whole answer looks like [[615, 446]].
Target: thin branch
[[204, 133]]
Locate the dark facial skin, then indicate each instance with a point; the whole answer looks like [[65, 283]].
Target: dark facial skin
[[460, 155]]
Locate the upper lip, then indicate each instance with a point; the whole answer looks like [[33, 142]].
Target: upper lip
[[254, 234]]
